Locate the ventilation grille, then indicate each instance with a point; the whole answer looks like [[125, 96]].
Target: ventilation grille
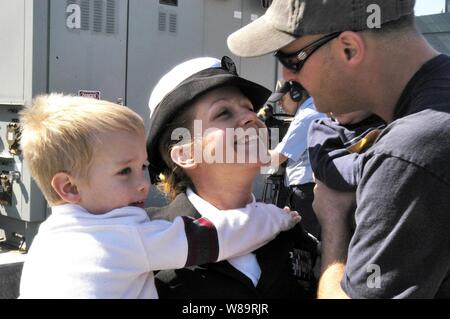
[[110, 16], [172, 23], [162, 17], [97, 15], [85, 12], [169, 2], [167, 21]]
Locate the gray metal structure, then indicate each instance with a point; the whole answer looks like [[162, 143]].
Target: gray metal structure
[[23, 74], [112, 49], [436, 29]]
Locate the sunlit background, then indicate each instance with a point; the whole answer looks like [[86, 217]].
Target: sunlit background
[[425, 7]]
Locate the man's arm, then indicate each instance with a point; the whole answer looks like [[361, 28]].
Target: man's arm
[[332, 209], [334, 255]]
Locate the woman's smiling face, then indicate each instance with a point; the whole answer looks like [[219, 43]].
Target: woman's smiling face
[[231, 131]]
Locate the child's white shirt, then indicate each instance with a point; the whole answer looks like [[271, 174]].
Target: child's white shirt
[[81, 255]]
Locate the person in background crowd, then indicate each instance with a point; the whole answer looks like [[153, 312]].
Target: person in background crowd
[[294, 100]]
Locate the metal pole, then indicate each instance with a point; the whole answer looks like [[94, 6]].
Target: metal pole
[[447, 6]]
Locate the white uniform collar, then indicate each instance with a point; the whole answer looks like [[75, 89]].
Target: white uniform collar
[[247, 264], [201, 205]]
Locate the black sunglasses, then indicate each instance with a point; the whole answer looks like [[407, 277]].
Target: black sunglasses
[[295, 61]]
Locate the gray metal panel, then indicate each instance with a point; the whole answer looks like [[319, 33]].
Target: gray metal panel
[[160, 37], [39, 78], [221, 19], [434, 23], [260, 69], [89, 58], [440, 41], [436, 29], [12, 55], [24, 31]]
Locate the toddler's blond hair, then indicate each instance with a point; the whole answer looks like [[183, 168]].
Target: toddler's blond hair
[[60, 132]]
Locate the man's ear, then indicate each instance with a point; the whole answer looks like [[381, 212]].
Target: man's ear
[[352, 47], [63, 185], [183, 156]]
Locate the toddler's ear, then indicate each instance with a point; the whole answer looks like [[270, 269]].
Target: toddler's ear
[[62, 184], [183, 156]]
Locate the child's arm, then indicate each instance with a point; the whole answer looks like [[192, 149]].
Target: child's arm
[[330, 161], [335, 150], [215, 237]]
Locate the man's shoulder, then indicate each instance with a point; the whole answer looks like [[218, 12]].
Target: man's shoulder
[[420, 139], [423, 130]]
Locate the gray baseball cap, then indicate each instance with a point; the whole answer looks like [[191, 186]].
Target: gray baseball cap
[[286, 20]]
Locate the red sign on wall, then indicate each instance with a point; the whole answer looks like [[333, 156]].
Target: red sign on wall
[[90, 94]]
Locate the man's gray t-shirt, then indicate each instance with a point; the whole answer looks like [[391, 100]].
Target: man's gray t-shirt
[[401, 245]]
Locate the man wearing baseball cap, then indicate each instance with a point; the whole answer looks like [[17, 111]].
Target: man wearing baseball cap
[[368, 54]]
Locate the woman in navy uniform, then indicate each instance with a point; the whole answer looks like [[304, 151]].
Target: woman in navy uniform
[[206, 96]]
